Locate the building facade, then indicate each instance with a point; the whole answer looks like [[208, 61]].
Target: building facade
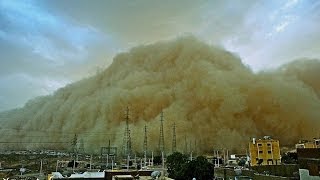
[[264, 151]]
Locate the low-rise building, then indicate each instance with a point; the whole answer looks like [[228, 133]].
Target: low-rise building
[[315, 143], [309, 161]]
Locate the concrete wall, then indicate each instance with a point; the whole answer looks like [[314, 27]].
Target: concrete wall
[[230, 173], [281, 172], [278, 170], [304, 175], [225, 173], [109, 173], [264, 177]]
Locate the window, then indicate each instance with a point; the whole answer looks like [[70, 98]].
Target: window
[[268, 144], [269, 152], [260, 152], [259, 144]]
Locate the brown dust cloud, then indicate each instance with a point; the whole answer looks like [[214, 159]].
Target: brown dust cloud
[[212, 97]]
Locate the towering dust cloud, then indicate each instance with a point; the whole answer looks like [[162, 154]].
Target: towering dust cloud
[[215, 101]]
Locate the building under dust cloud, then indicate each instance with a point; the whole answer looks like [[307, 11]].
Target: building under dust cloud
[[213, 98]]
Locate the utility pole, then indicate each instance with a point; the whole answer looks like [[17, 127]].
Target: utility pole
[[161, 140], [41, 168], [174, 140]]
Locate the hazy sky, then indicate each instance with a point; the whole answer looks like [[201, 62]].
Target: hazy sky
[[47, 44]]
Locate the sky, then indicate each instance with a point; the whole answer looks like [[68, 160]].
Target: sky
[[47, 44]]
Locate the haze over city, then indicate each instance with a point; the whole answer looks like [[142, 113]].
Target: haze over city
[[46, 45]]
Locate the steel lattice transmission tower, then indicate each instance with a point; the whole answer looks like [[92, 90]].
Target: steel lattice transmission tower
[[81, 147], [74, 144], [174, 140], [161, 140], [145, 141], [185, 144], [127, 137]]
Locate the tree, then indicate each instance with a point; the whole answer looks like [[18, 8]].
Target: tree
[[289, 158], [175, 163], [199, 168], [180, 168]]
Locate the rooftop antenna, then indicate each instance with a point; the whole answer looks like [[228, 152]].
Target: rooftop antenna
[[161, 140], [174, 140]]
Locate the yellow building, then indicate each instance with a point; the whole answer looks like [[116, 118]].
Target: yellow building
[[264, 151], [308, 144]]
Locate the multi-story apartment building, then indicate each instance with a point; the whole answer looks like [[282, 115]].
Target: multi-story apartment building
[[264, 151]]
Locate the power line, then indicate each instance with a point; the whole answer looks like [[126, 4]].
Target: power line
[[15, 142], [55, 132]]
